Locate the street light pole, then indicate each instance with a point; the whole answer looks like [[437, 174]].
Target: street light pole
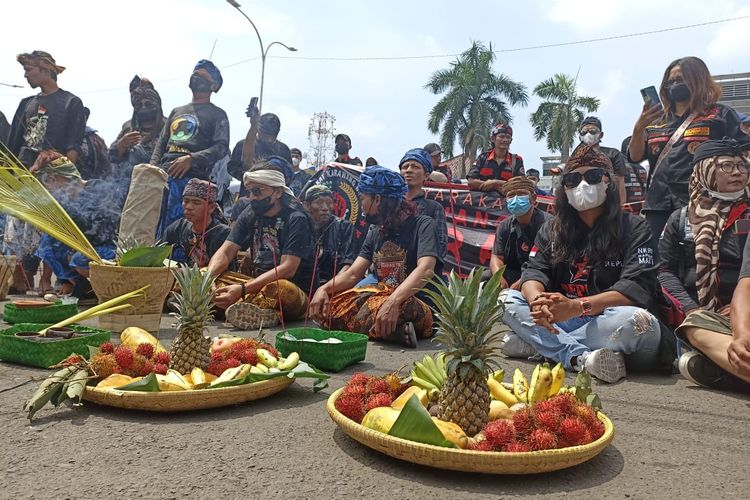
[[263, 51]]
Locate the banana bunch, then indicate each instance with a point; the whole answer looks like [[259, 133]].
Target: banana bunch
[[430, 374], [545, 383], [267, 363]]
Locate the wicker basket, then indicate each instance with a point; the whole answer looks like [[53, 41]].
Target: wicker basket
[[199, 399], [109, 282], [7, 268], [533, 462], [328, 357], [51, 314], [44, 354], [255, 318]]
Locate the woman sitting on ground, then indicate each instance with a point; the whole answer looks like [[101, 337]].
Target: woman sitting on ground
[[590, 277], [404, 250], [717, 215]]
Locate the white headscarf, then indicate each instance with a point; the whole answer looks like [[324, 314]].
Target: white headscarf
[[270, 178]]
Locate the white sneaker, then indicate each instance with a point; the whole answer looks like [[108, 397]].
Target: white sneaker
[[514, 346], [604, 364]]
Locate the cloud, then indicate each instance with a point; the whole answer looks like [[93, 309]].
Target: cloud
[[732, 40]]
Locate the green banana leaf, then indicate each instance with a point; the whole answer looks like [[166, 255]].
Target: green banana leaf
[[146, 384], [415, 424], [302, 370], [146, 256]]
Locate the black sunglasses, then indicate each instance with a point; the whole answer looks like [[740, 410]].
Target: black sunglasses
[[593, 176]]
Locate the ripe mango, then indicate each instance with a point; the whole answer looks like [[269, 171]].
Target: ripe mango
[[115, 380], [405, 396], [452, 432], [381, 419]]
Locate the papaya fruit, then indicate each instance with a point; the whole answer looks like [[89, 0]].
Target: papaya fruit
[[381, 419]]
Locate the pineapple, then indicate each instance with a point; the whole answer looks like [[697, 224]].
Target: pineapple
[[467, 320], [191, 348]]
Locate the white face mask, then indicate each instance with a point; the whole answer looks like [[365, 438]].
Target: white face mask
[[295, 162], [589, 138], [733, 196], [586, 196]]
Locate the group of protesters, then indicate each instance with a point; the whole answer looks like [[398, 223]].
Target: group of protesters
[[591, 285]]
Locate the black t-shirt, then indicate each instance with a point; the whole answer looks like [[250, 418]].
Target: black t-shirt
[[513, 242], [668, 190], [436, 212], [262, 150], [55, 121], [635, 183], [93, 163], [200, 130], [677, 257], [96, 210], [617, 159], [267, 239], [195, 248], [4, 128], [486, 167], [633, 274], [335, 246], [395, 256]]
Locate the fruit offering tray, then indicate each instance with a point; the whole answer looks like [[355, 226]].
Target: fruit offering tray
[[331, 351], [44, 352], [465, 460]]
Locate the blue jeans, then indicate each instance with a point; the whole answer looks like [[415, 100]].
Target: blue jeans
[[64, 260], [630, 330]]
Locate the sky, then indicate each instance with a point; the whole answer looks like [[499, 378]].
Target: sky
[[381, 104]]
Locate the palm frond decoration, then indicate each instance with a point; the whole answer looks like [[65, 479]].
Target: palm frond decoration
[[22, 196]]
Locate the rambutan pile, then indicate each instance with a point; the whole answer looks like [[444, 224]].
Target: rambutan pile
[[240, 352], [135, 363], [364, 392], [559, 422]]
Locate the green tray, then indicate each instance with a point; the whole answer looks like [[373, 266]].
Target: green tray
[[44, 354], [50, 314], [328, 357]]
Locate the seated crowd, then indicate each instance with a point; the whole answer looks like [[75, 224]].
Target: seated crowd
[[593, 286]]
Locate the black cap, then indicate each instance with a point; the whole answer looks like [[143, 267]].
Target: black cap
[[344, 137], [723, 147], [269, 124], [591, 120], [295, 150], [532, 172], [433, 149]]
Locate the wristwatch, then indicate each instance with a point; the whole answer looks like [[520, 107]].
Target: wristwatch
[[585, 307]]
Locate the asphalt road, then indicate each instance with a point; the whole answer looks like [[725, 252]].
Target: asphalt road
[[672, 440]]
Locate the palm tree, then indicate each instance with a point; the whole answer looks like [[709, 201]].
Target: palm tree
[[558, 116], [472, 103]]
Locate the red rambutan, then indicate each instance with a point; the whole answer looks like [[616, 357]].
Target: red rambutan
[[573, 432], [124, 357], [232, 363], [542, 439], [596, 429], [359, 378], [217, 356], [107, 348], [377, 385], [355, 390], [523, 421], [249, 356], [517, 447], [483, 445], [549, 419], [216, 367], [587, 414], [161, 358], [565, 403], [351, 407], [138, 368], [243, 345], [145, 349], [499, 433], [161, 369], [380, 399], [104, 365]]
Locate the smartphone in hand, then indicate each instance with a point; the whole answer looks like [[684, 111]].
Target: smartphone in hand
[[651, 96]]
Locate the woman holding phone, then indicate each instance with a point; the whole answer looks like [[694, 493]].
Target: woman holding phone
[[671, 134]]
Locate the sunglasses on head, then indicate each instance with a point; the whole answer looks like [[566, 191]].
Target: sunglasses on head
[[593, 176]]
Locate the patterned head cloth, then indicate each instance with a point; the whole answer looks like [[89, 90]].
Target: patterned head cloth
[[501, 128], [62, 167], [142, 89], [518, 183], [587, 156], [418, 155], [283, 165], [197, 188], [709, 215], [317, 191], [41, 59], [212, 70], [383, 181]]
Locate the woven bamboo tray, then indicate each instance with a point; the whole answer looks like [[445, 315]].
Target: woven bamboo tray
[[199, 399], [109, 282], [51, 314], [328, 357], [533, 462], [44, 354]]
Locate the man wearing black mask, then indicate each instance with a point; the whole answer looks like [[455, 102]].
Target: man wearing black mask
[[194, 137], [343, 146]]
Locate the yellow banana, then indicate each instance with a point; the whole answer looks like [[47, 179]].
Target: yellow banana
[[290, 362], [499, 375], [500, 393], [558, 379], [540, 383], [520, 386], [267, 358]]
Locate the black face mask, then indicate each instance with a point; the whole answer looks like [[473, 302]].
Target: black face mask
[[146, 114], [679, 92], [261, 206], [374, 219], [199, 84], [342, 148]]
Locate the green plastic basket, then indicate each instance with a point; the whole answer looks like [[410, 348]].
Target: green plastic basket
[[44, 354], [328, 357], [50, 314]]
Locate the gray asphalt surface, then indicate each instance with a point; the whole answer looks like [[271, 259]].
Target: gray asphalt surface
[[672, 440]]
